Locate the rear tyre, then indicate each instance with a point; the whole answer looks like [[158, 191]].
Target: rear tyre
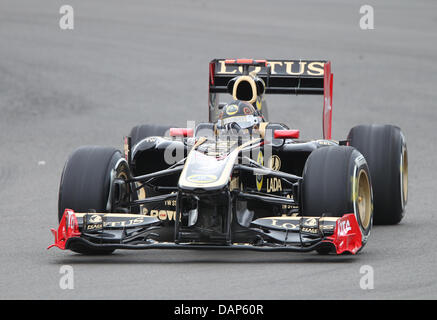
[[86, 181], [385, 150], [336, 181], [140, 132]]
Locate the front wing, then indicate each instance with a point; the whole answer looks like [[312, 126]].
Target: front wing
[[136, 231]]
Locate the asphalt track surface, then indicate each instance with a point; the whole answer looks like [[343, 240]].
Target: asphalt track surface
[[132, 62]]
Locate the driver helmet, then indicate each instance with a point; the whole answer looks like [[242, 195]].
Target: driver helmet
[[239, 115]]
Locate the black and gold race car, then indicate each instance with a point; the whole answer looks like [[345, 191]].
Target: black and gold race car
[[238, 181]]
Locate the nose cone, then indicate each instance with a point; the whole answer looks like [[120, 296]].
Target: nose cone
[[206, 171]]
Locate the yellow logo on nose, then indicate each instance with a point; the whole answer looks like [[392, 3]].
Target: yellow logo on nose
[[202, 178], [232, 109], [95, 219]]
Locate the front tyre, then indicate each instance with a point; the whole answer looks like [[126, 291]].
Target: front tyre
[[385, 150], [86, 181], [141, 132], [336, 181]]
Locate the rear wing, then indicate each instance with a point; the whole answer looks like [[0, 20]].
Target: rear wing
[[280, 77]]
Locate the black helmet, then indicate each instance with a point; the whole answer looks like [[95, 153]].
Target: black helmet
[[239, 115]]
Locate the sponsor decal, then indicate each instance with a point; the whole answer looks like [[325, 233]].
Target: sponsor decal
[[202, 178], [95, 218], [311, 222], [93, 222], [124, 223], [163, 214], [275, 163], [289, 206], [328, 227], [94, 227], [360, 160], [232, 109], [150, 139], [325, 142], [285, 225], [293, 223], [292, 68], [113, 220], [343, 228], [170, 203], [273, 185], [310, 230], [96, 223]]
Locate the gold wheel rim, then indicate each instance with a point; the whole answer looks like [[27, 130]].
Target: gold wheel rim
[[405, 176], [364, 199]]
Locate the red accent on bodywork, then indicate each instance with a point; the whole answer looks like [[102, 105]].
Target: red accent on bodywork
[[68, 228], [211, 72], [286, 134], [327, 101], [347, 235], [246, 61], [181, 132], [126, 148], [239, 61], [211, 83]]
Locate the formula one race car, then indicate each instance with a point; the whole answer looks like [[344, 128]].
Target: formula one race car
[[238, 181]]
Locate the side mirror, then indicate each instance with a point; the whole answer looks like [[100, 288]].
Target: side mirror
[[181, 132], [286, 134]]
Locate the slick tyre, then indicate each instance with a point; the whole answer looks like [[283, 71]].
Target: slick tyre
[[336, 181], [86, 181], [385, 150], [140, 132]]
